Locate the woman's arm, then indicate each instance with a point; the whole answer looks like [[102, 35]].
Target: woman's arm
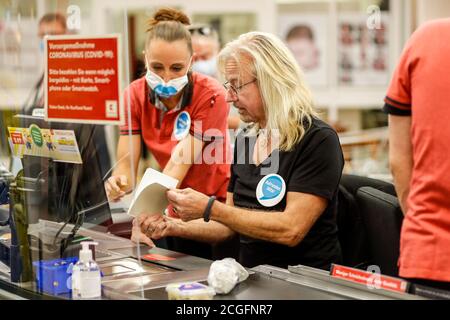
[[183, 156], [128, 154]]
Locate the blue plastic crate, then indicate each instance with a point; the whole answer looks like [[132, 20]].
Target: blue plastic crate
[[54, 276]]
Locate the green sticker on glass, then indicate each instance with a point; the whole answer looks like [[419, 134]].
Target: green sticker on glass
[[36, 135]]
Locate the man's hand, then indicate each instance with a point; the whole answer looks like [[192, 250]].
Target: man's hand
[[187, 203], [158, 226], [137, 235]]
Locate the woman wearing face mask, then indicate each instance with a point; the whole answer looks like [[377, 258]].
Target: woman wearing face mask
[[182, 118]]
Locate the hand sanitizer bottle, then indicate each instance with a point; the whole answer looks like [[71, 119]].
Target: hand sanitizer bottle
[[86, 279], [76, 280]]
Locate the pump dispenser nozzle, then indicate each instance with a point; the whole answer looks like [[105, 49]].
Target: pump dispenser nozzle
[[86, 252]]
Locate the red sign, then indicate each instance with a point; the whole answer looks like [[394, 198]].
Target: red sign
[[371, 280], [82, 79], [17, 138], [157, 257]]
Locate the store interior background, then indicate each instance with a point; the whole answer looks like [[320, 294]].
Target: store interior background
[[349, 96]]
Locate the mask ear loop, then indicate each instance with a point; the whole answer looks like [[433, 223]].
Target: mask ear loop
[[145, 59], [190, 65], [153, 73]]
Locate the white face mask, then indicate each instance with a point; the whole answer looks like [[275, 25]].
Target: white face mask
[[207, 67], [165, 89]]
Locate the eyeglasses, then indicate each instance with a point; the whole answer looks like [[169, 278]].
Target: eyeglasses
[[202, 30], [227, 85]]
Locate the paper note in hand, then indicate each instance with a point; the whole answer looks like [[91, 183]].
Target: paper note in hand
[[150, 196]]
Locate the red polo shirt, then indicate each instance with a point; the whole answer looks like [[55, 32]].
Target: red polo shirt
[[420, 88], [204, 100]]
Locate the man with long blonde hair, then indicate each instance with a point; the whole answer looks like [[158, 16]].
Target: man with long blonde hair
[[287, 165]]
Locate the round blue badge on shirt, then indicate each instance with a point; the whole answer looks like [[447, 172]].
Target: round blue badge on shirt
[[182, 125], [270, 190]]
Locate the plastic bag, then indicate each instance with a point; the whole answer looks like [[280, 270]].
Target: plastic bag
[[225, 274]]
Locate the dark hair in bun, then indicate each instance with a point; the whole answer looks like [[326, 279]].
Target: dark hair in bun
[[170, 25], [169, 14]]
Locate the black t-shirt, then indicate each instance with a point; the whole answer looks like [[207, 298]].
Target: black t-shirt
[[313, 166]]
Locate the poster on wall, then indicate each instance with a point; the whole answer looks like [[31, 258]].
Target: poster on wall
[[363, 53], [306, 37], [83, 79]]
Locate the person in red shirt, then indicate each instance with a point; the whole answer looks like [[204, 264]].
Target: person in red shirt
[[417, 104], [180, 115]]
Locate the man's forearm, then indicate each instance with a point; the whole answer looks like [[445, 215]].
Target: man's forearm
[[243, 221], [209, 232], [288, 227]]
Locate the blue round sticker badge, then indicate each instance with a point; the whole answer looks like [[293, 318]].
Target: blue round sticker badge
[[182, 125], [270, 190]]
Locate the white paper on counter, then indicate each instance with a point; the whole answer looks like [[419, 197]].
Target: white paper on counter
[[150, 196]]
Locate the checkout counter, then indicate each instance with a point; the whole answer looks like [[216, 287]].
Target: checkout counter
[[126, 277]]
